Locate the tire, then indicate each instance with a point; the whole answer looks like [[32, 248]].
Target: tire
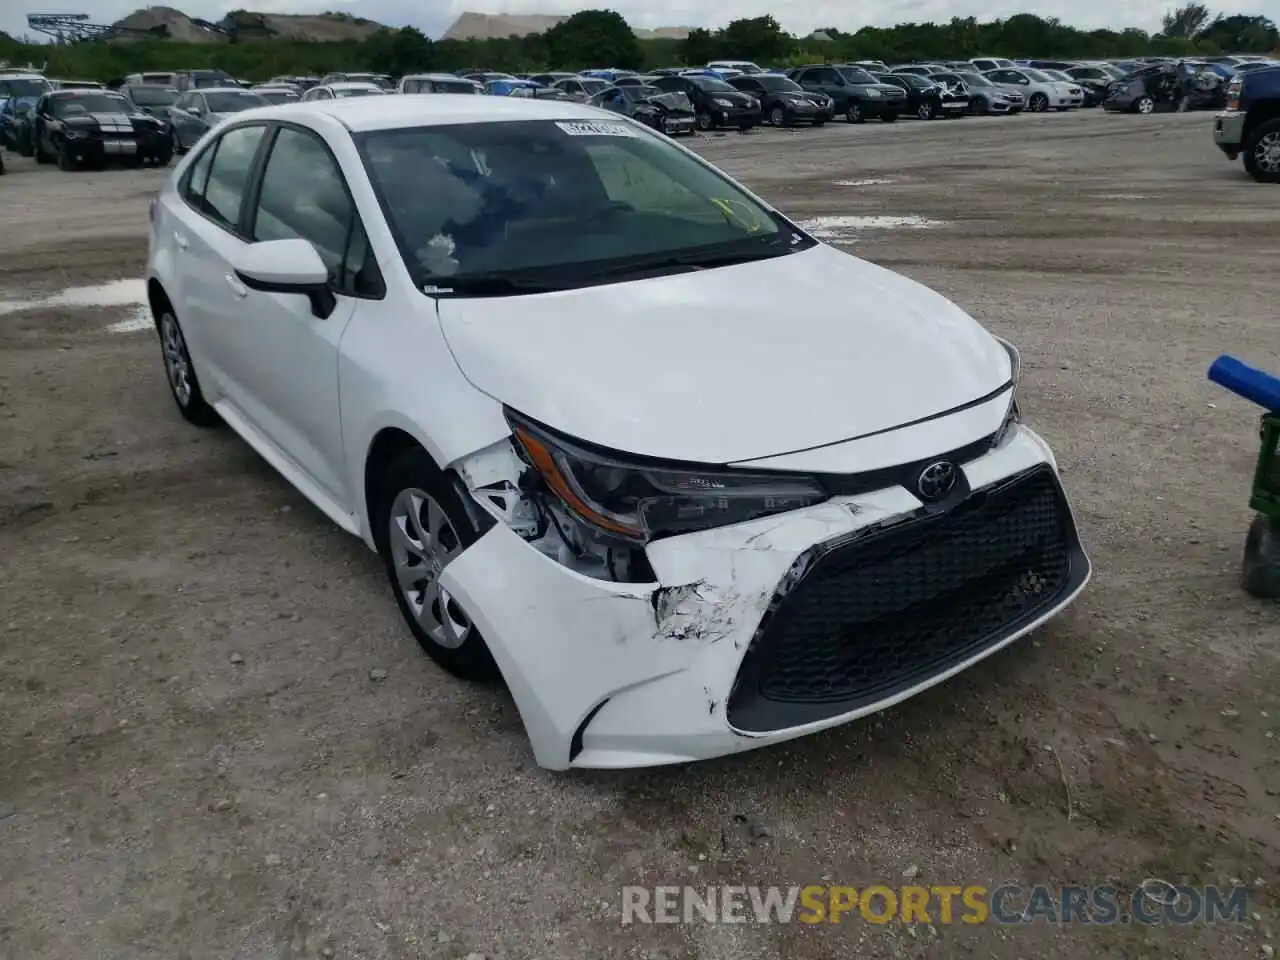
[[24, 147], [1038, 103], [1144, 104], [176, 141], [180, 372], [820, 122], [705, 121], [927, 110], [853, 113], [38, 151], [163, 156], [889, 117], [417, 508], [1262, 152], [978, 106], [1260, 572], [778, 116], [65, 160]]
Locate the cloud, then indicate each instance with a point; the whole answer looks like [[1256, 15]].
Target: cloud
[[797, 16]]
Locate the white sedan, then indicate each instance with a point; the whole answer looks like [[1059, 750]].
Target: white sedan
[[688, 480]]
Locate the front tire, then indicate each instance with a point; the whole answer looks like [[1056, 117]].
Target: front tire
[[181, 373], [40, 154], [1260, 574], [421, 527], [927, 110], [1038, 103], [1144, 104], [66, 161], [978, 106], [778, 117], [705, 121], [1262, 152]]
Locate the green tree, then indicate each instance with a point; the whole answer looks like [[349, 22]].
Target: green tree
[[1241, 33], [759, 38], [594, 38], [701, 46], [1186, 22]]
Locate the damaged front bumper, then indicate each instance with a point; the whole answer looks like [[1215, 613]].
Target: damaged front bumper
[[765, 631]]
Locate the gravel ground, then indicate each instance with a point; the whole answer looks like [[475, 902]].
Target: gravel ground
[[195, 761]]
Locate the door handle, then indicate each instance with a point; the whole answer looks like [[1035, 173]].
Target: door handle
[[181, 241], [238, 288]]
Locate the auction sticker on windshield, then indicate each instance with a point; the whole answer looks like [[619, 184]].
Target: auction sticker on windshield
[[589, 128]]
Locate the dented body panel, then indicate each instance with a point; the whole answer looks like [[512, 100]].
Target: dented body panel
[[640, 674]]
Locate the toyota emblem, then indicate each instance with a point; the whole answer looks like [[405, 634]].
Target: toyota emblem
[[936, 480]]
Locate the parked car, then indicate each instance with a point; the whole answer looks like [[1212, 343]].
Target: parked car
[[955, 92], [987, 97], [198, 111], [437, 83], [343, 89], [1094, 81], [274, 93], [854, 93], [76, 84], [78, 128], [926, 100], [380, 80], [1249, 124], [715, 102], [523, 88], [783, 101], [582, 89], [1040, 92], [735, 67], [1167, 86], [639, 80], [186, 80], [653, 587], [987, 64], [19, 93], [552, 78], [158, 78], [152, 99], [669, 113]]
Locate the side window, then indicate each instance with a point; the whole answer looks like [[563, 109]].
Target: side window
[[413, 86], [229, 174], [304, 196], [197, 177]]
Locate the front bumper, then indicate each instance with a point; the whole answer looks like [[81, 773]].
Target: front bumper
[[97, 148], [737, 117], [1228, 132], [674, 126], [885, 106], [737, 647]]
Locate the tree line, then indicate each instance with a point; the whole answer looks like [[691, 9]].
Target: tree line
[[596, 38]]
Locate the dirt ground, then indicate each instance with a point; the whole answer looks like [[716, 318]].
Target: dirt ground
[[195, 762]]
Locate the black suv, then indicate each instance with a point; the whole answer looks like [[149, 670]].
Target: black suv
[[853, 92], [77, 128], [783, 101], [715, 103], [926, 99]]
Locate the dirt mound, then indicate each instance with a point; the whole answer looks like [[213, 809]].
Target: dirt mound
[[167, 22], [176, 25], [491, 26]]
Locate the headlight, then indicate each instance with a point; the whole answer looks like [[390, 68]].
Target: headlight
[[1014, 414], [72, 134], [873, 93], [722, 103], [637, 501]]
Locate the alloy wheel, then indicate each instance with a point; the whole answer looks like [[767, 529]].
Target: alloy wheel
[[1266, 152], [1146, 105], [925, 111], [177, 362], [778, 116], [423, 541]]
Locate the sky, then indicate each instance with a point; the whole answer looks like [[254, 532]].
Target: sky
[[796, 16]]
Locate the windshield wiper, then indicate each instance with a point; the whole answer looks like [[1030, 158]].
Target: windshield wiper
[[765, 249], [486, 284]]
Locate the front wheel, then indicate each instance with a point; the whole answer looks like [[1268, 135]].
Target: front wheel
[[65, 160], [41, 154], [1262, 152], [1144, 104], [1038, 103], [1260, 574], [978, 105], [421, 527], [778, 117], [175, 140], [927, 110], [705, 120]]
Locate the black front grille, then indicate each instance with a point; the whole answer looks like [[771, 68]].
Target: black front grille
[[882, 612]]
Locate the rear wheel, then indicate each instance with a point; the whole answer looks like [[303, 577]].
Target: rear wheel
[[181, 373], [40, 154], [889, 117], [420, 528], [1260, 574], [853, 113], [1262, 152]]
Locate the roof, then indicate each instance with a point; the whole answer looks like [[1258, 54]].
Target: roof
[[362, 114], [219, 90], [352, 85], [436, 76]]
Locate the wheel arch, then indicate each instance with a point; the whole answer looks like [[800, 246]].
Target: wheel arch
[[1260, 113], [157, 299]]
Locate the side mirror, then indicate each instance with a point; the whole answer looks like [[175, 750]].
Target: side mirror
[[288, 267]]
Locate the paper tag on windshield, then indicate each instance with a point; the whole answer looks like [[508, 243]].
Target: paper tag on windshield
[[595, 128]]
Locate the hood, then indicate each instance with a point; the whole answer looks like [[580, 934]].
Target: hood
[[887, 89], [672, 101], [729, 364]]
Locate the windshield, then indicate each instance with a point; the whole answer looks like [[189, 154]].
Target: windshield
[[593, 85], [23, 88], [778, 83], [712, 85], [89, 103], [973, 80], [557, 197], [914, 80], [207, 80], [946, 78], [357, 91], [153, 96], [856, 75], [1036, 75], [1056, 75], [277, 96], [452, 86], [229, 101]]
